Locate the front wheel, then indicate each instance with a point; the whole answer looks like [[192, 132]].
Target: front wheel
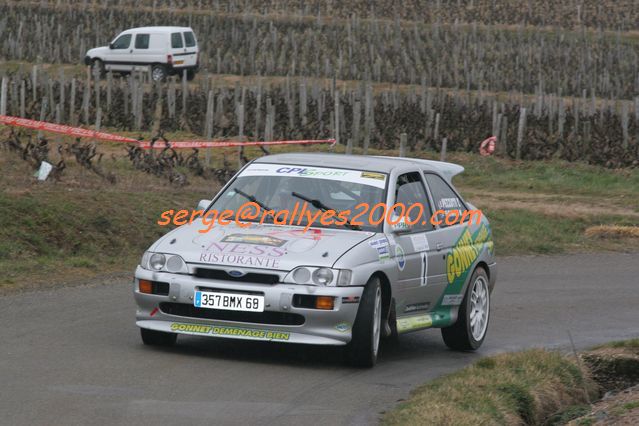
[[469, 332], [158, 72], [157, 338], [364, 345]]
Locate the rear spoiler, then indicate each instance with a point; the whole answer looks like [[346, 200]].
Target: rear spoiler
[[448, 170]]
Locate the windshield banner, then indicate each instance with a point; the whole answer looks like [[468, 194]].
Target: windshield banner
[[286, 170]]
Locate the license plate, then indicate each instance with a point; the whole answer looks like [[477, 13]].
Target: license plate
[[228, 301], [178, 62]]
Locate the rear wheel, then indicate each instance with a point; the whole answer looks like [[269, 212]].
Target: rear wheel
[[158, 72], [157, 338], [469, 332], [364, 345]]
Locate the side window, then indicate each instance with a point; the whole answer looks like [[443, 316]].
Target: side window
[[176, 41], [189, 39], [444, 198], [410, 191], [142, 41], [122, 42]]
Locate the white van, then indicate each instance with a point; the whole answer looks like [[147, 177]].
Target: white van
[[163, 50]]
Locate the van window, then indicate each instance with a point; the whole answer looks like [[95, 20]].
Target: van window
[[176, 41], [142, 41], [122, 42], [189, 39]]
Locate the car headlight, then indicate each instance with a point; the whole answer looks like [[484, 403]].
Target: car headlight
[[312, 275], [164, 262], [157, 261], [322, 276]]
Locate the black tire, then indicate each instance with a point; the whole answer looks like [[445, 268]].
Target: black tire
[[459, 336], [364, 346], [97, 67], [158, 72], [190, 75], [157, 338]]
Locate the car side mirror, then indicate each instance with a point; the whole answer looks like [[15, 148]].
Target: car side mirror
[[111, 46], [203, 204]]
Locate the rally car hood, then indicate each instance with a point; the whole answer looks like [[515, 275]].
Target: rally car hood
[[259, 246]]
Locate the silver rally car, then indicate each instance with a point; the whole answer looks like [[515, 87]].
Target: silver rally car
[[350, 282]]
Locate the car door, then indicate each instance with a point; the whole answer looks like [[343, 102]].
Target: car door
[[140, 52], [411, 248], [119, 55], [452, 240], [190, 49], [178, 50]]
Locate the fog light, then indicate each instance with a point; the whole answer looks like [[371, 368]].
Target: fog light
[[324, 302], [145, 287]]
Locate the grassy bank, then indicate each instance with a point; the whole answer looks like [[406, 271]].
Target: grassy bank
[[82, 226], [518, 388], [534, 387]]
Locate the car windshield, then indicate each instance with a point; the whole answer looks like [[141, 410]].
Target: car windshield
[[281, 188]]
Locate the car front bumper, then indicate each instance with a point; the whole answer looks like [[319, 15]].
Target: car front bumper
[[280, 321]]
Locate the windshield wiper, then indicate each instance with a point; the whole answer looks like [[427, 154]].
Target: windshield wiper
[[323, 207], [252, 199]]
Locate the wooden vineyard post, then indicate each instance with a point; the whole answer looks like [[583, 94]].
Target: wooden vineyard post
[[23, 94], [520, 132], [402, 144], [442, 156], [3, 97], [240, 125], [208, 126], [336, 130]]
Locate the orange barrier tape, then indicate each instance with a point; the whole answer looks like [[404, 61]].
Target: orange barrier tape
[[84, 133], [223, 144], [62, 129]]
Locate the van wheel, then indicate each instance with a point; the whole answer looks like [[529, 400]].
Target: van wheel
[[190, 75], [97, 68], [364, 345], [469, 332], [158, 72]]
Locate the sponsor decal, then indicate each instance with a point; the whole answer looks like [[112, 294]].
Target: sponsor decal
[[420, 242], [414, 322], [417, 307], [449, 203], [374, 175], [356, 176], [242, 253], [264, 240], [343, 327], [399, 256], [191, 328], [230, 331], [458, 265], [452, 299], [382, 247]]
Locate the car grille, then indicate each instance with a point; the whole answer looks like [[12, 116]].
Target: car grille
[[251, 277], [266, 317]]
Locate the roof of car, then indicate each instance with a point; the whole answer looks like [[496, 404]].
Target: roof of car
[[160, 29], [361, 162]]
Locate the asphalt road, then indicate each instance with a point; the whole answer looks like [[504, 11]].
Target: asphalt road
[[74, 356]]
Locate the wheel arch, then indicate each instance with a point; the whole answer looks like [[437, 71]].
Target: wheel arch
[[387, 291]]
